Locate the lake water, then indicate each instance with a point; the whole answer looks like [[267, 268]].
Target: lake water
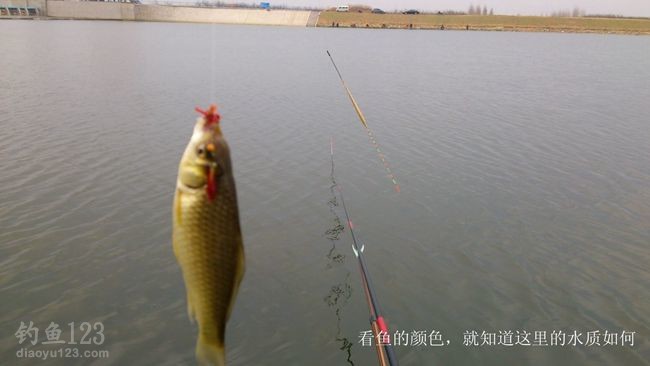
[[523, 161]]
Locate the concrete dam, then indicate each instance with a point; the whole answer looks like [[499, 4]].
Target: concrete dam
[[99, 10]]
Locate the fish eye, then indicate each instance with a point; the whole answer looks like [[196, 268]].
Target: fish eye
[[205, 152]]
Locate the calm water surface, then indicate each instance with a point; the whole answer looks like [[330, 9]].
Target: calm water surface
[[524, 163]]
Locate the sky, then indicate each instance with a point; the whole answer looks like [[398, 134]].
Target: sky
[[640, 8]]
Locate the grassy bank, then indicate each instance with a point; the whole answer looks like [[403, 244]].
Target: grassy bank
[[493, 22]]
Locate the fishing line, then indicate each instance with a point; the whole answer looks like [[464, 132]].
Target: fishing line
[[371, 135], [339, 293], [213, 90], [385, 351]]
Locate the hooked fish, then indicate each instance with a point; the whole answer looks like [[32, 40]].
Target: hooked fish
[[207, 237]]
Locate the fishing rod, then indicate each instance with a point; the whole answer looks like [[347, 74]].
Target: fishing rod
[[371, 135], [385, 351]]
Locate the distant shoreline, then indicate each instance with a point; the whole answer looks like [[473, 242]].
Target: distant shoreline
[[94, 10], [509, 23]]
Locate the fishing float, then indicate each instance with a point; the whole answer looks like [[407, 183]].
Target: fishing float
[[371, 135]]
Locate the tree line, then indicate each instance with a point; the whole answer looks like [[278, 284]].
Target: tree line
[[478, 10], [575, 13]]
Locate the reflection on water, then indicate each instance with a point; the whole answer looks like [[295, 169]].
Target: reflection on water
[[339, 293]]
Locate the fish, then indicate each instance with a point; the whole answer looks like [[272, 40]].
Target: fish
[[206, 235]]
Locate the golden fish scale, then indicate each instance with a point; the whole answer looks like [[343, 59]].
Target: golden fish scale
[[208, 246]]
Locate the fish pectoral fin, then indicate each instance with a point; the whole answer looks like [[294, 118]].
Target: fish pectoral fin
[[178, 206], [191, 313], [241, 268]]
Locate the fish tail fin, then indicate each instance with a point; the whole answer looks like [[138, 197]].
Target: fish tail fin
[[210, 352]]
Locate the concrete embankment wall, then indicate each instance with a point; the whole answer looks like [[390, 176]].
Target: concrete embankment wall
[[90, 10], [158, 13], [227, 16]]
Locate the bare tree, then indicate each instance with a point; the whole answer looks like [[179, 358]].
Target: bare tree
[[484, 10], [576, 12], [491, 11], [471, 9]]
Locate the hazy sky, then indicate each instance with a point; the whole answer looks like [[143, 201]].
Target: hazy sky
[[534, 7]]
